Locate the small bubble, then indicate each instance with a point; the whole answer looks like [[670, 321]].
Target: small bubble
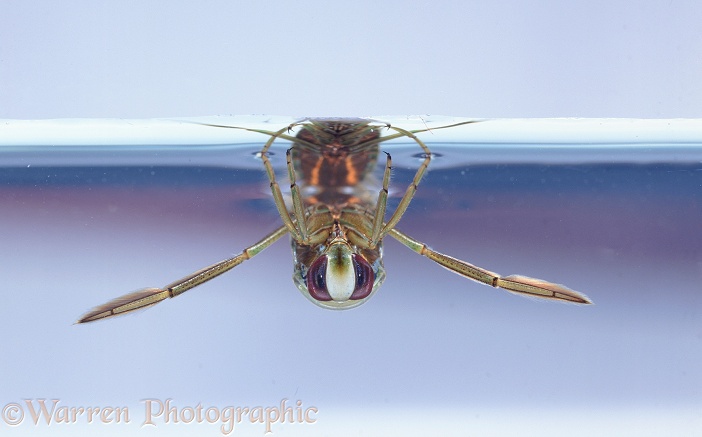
[[424, 155], [258, 155]]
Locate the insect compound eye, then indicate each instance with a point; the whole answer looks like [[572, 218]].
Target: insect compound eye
[[364, 278], [317, 279]]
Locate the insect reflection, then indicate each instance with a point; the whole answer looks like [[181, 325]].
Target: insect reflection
[[336, 221]]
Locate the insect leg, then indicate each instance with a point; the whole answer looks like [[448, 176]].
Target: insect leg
[[381, 205], [411, 189], [150, 296], [515, 283], [295, 231], [297, 201], [298, 228]]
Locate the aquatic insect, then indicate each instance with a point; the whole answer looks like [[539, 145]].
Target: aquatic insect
[[336, 221]]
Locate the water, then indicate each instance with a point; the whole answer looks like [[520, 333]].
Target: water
[[431, 351]]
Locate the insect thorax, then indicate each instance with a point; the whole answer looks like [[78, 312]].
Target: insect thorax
[[335, 153], [354, 222]]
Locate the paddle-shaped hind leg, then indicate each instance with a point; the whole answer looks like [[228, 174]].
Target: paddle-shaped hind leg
[[151, 296], [515, 283]]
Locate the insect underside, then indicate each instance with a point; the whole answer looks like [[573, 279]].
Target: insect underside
[[336, 221]]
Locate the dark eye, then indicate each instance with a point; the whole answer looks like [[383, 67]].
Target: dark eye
[[317, 279], [364, 278]]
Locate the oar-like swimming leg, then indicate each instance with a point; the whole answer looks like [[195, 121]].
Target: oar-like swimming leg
[[515, 283], [151, 296]]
